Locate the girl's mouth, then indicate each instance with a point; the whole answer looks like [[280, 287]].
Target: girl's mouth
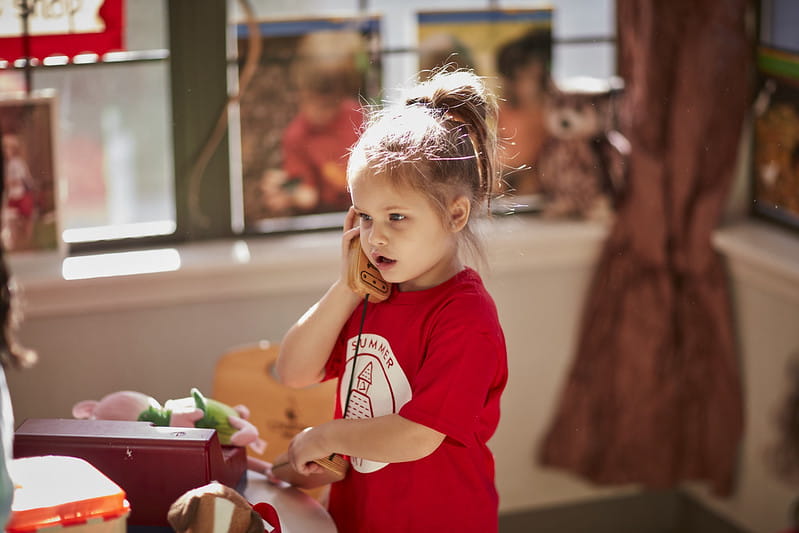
[[381, 261]]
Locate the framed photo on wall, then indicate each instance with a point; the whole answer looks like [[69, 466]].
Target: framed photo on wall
[[29, 211], [775, 183], [513, 50], [300, 114]]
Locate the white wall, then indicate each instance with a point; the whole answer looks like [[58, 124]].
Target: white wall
[[764, 265]]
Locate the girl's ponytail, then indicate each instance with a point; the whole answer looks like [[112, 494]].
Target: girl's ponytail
[[461, 100]]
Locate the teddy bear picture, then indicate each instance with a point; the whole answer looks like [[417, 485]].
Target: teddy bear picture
[[581, 166]]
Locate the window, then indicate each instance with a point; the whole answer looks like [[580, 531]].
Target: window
[[395, 43], [113, 142], [137, 156]]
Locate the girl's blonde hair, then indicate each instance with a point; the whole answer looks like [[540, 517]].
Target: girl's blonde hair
[[440, 139]]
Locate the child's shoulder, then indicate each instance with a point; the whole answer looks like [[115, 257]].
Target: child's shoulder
[[469, 296], [470, 284]]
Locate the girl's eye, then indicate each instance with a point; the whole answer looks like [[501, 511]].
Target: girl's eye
[[396, 216], [364, 217]]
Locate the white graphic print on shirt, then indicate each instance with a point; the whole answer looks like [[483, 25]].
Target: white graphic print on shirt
[[379, 387]]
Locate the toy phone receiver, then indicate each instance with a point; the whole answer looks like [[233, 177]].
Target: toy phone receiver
[[335, 470], [364, 278]]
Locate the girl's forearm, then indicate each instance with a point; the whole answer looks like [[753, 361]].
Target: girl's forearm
[[307, 345], [386, 439]]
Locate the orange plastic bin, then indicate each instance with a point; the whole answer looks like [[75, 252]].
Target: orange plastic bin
[[65, 492]]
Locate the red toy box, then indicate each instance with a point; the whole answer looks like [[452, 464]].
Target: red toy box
[[154, 465]]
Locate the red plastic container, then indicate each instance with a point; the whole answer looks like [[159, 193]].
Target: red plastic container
[[65, 492]]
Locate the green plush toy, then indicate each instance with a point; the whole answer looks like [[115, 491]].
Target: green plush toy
[[216, 415]]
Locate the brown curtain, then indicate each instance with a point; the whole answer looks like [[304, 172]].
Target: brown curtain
[[654, 394]]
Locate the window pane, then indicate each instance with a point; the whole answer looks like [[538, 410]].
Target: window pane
[[582, 18], [146, 26], [112, 133], [584, 59], [779, 20], [584, 45], [114, 148]]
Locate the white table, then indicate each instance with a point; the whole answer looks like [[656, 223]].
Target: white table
[[298, 512]]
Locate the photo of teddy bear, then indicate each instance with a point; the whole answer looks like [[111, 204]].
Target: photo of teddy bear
[[581, 166]]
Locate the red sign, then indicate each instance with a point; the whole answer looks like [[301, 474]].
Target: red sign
[[61, 27]]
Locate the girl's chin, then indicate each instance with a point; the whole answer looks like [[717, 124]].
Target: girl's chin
[[397, 279], [393, 279]]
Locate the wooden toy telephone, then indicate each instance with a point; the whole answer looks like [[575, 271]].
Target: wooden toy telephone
[[364, 279]]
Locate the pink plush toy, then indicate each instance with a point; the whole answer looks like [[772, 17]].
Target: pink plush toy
[[230, 423]]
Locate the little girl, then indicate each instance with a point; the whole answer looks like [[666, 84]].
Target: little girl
[[420, 374]]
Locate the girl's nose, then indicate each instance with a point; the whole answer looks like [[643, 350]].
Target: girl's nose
[[377, 237]]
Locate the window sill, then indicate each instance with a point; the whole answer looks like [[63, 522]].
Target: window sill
[[308, 262], [762, 255], [757, 253]]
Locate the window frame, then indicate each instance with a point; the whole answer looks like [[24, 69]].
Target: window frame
[[198, 95], [198, 77]]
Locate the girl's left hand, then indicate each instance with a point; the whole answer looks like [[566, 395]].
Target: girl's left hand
[[304, 448]]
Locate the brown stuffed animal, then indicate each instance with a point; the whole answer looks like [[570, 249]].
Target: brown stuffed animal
[[217, 508], [581, 165]]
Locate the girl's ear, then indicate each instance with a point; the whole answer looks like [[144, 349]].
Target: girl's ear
[[459, 211]]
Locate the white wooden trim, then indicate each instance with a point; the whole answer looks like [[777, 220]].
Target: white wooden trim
[[234, 269]]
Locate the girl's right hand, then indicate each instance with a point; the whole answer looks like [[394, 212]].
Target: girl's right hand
[[352, 230]]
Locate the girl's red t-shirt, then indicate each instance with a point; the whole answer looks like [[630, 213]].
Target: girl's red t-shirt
[[436, 357]]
